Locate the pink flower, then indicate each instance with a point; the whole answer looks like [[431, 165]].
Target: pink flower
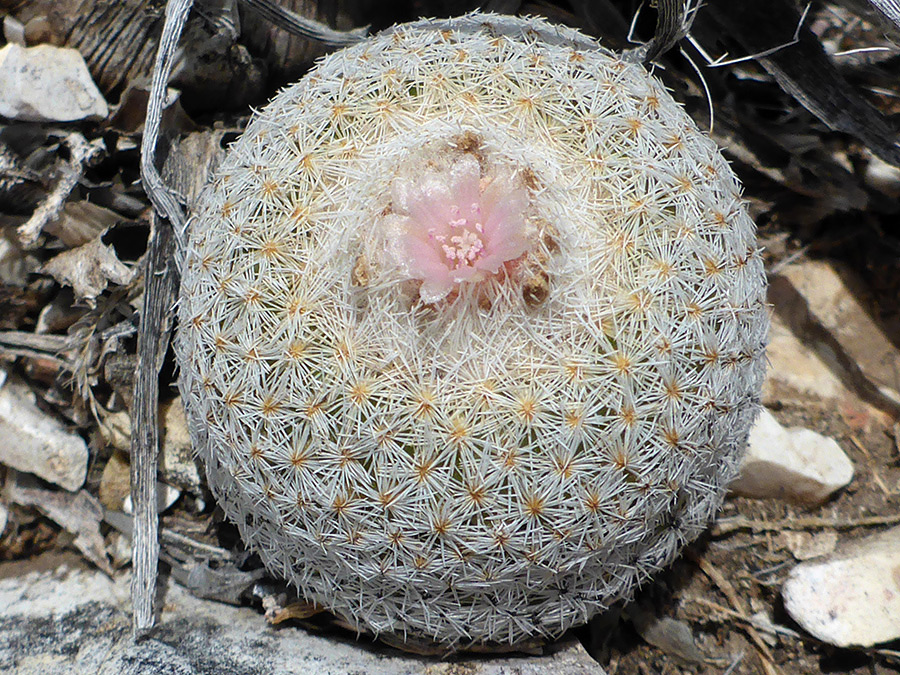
[[458, 230]]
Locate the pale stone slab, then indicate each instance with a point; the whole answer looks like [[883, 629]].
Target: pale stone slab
[[47, 84], [851, 598], [73, 621], [795, 464], [34, 442]]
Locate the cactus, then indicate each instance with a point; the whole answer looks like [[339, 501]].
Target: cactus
[[472, 330]]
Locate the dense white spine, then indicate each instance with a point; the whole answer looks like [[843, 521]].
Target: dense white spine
[[507, 455]]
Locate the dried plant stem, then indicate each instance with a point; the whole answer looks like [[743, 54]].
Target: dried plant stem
[[160, 195], [744, 618], [31, 345], [729, 525], [83, 153], [170, 539], [153, 339]]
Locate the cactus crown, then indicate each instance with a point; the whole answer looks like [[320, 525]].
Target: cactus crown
[[472, 330]]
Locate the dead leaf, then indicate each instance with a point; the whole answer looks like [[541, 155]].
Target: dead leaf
[[80, 222], [276, 612], [88, 269], [128, 116]]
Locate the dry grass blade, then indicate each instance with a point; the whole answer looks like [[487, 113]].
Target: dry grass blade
[[743, 618]]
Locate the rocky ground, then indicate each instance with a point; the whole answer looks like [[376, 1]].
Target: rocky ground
[[801, 572]]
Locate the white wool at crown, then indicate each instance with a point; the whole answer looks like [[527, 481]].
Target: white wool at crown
[[472, 330]]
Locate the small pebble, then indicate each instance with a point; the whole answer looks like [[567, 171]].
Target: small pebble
[[178, 463], [795, 465], [806, 545], [166, 495], [115, 487], [119, 549], [115, 481], [851, 598]]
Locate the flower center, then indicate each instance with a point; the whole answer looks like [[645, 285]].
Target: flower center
[[466, 247]]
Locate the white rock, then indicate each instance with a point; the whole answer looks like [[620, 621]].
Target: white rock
[[4, 517], [883, 177], [851, 598], [166, 495], [47, 84], [796, 464], [76, 621], [35, 442], [120, 549]]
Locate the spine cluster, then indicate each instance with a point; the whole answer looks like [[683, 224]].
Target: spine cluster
[[472, 330]]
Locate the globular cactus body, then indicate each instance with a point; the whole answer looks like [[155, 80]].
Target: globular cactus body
[[472, 330]]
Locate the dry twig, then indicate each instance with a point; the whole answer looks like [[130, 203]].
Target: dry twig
[[727, 589], [729, 525], [83, 153], [743, 618]]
